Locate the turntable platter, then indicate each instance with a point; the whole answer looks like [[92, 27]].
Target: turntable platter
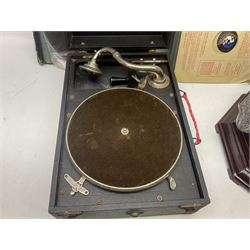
[[124, 139]]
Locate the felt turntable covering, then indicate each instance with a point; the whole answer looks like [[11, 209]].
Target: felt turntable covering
[[124, 139]]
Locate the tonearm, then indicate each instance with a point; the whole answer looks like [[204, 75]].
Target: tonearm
[[152, 74]]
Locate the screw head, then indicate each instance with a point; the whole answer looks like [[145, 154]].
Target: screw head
[[99, 201], [61, 191], [71, 97], [159, 198], [124, 131]]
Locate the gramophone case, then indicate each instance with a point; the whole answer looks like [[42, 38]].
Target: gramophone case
[[190, 194]]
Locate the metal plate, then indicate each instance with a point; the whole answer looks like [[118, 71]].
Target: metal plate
[[124, 139]]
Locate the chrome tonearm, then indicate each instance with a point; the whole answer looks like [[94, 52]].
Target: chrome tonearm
[[154, 75]]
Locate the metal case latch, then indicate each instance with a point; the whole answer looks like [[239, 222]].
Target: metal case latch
[[171, 182]]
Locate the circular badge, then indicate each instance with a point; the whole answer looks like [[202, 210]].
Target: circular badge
[[226, 41]]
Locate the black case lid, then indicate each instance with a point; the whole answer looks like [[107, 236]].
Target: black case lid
[[64, 42], [125, 41]]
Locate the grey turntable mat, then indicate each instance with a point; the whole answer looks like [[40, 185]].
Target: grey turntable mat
[[124, 139]]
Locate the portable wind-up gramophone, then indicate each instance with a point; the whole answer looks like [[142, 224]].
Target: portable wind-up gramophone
[[124, 147]]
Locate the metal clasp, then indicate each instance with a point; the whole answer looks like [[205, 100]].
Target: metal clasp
[[171, 182]]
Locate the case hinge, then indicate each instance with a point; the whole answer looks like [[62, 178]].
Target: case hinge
[[191, 208], [71, 214], [135, 212]]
